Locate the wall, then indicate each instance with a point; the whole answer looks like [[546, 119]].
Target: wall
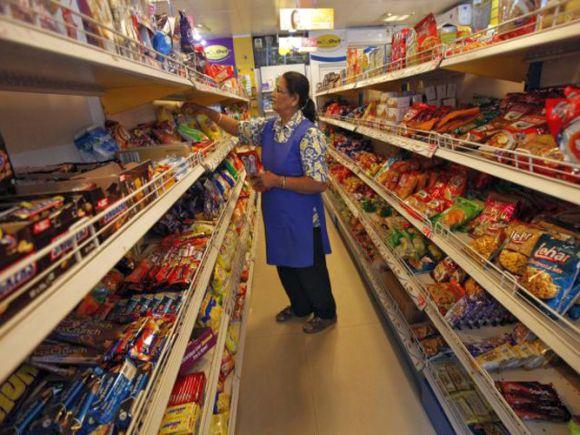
[[244, 55]]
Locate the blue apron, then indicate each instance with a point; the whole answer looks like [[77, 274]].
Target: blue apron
[[288, 215]]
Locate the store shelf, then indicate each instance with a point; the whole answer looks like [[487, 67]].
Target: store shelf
[[29, 326], [557, 31], [555, 330], [415, 286], [384, 78], [383, 297], [451, 412], [462, 152], [237, 375], [211, 363], [39, 60], [223, 148], [418, 294], [508, 60], [154, 399]]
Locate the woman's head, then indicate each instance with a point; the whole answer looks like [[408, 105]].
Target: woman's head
[[293, 94]]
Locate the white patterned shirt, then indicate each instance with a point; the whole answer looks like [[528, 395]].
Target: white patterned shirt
[[313, 146]]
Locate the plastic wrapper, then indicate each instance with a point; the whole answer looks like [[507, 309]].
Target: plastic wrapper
[[65, 354], [210, 312], [233, 337], [534, 401], [460, 213], [433, 346], [472, 407], [227, 365], [191, 134], [219, 423], [180, 419], [551, 271], [520, 241], [202, 341], [209, 127], [93, 333], [445, 294], [447, 270], [222, 403], [423, 330], [16, 389], [96, 144], [497, 213]]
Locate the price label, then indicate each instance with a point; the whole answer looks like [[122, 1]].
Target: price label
[[421, 302]]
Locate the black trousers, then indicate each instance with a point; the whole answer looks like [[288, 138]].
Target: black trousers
[[308, 288]]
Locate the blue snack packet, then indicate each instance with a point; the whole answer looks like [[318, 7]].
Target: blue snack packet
[[551, 272]]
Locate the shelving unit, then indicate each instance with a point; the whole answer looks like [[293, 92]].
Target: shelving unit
[[556, 33], [414, 284], [211, 362], [393, 315], [155, 398], [39, 60], [555, 330], [237, 374], [471, 155]]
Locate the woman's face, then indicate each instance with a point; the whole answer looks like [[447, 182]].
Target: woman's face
[[283, 101]]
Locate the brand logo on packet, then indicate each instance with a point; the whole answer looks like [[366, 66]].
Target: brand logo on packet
[[14, 387], [216, 52], [521, 237], [14, 281], [67, 245], [113, 212], [551, 254]]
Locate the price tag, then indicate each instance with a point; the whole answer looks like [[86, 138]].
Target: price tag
[[421, 302], [427, 231]]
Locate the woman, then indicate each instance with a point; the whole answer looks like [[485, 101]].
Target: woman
[[294, 158]]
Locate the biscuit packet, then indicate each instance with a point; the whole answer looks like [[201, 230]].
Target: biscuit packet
[[551, 272]]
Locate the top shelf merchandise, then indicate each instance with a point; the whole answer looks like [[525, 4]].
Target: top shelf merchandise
[[500, 52], [126, 55]]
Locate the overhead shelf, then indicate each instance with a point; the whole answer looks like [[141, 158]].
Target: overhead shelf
[[415, 286], [508, 60], [559, 333], [21, 333], [463, 153], [39, 60], [558, 32]]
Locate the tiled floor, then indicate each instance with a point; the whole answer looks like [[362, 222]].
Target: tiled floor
[[348, 380]]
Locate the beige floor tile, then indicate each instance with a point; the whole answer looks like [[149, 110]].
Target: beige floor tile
[[276, 389], [360, 386]]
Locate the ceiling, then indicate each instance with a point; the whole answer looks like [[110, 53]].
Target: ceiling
[[259, 17]]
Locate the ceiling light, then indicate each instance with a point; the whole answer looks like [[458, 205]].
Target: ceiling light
[[196, 35], [391, 18], [203, 42]]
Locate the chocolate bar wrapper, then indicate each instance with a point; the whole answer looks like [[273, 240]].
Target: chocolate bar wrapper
[[204, 339], [94, 333], [64, 353]]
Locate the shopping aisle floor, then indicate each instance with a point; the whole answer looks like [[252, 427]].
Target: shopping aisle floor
[[346, 380]]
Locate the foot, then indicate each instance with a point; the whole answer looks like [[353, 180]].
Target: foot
[[287, 314], [316, 324]]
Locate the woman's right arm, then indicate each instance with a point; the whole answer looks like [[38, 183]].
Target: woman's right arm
[[248, 131], [230, 125]]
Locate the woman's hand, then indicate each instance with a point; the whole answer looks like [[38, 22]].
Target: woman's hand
[[265, 181], [195, 109]]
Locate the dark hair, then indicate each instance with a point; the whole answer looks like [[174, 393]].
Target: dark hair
[[298, 84]]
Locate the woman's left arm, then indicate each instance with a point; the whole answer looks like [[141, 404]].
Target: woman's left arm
[[305, 184], [313, 148]]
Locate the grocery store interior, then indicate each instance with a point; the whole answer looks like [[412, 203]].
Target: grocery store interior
[[163, 166]]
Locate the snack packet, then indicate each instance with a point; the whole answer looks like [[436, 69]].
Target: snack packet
[[551, 271], [460, 213]]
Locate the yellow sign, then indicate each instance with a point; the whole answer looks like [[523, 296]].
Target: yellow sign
[[306, 19], [216, 52], [329, 41]]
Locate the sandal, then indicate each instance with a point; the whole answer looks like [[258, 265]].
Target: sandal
[[286, 314], [317, 324]]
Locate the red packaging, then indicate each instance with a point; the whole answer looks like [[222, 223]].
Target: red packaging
[[399, 49], [427, 38], [228, 364], [219, 73], [188, 389], [497, 214]]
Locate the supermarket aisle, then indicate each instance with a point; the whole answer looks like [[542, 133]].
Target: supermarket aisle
[[343, 381]]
